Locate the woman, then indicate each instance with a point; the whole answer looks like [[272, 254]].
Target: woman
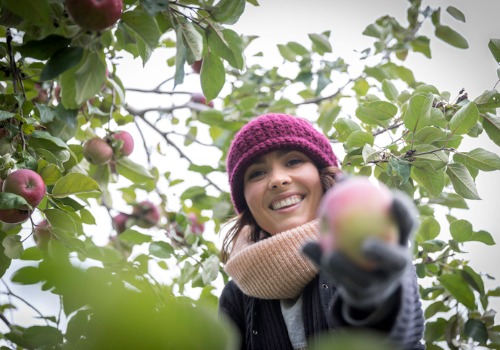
[[279, 167]]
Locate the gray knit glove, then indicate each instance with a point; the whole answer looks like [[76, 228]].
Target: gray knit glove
[[365, 289]]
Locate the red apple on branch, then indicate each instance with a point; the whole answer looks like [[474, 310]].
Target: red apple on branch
[[14, 216], [196, 66], [146, 214], [200, 98], [127, 146], [94, 15], [42, 234], [119, 222], [27, 184], [352, 211], [97, 151]]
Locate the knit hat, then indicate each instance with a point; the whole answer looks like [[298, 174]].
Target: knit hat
[[268, 133]]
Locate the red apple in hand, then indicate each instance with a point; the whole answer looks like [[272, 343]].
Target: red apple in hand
[[27, 184], [200, 98], [128, 142], [97, 151], [146, 214], [352, 211], [95, 15]]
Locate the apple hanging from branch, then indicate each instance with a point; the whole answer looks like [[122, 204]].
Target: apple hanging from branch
[[97, 151], [95, 15]]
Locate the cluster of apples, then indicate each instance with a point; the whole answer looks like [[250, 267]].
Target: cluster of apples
[[145, 214], [27, 184], [100, 151]]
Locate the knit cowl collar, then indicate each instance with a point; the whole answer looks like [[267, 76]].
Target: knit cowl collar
[[273, 268]]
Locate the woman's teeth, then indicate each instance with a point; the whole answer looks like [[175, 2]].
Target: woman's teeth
[[286, 202]]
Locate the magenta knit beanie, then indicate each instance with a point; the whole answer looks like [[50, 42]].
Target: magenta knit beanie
[[268, 133]]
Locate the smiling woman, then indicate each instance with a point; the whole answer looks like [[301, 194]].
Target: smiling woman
[[285, 291]]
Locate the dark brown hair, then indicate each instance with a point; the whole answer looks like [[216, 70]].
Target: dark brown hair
[[328, 176]]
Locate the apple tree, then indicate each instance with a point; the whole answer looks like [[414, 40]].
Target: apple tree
[[66, 116]]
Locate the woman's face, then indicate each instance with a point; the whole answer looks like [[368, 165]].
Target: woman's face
[[283, 190]]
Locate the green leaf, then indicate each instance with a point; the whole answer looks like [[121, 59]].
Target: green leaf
[[369, 154], [433, 183], [36, 12], [50, 174], [476, 330], [459, 288], [390, 90], [134, 237], [27, 275], [483, 237], [321, 44], [90, 76], [399, 168], [464, 119], [376, 112], [418, 113], [479, 158], [143, 25], [456, 13], [74, 183], [61, 61], [345, 127], [192, 40], [451, 37], [359, 139], [462, 181], [430, 157], [161, 250], [494, 46], [226, 44], [428, 230], [152, 7], [227, 11], [450, 200], [435, 308], [12, 201], [43, 337], [44, 48], [491, 124], [422, 44], [180, 58], [210, 269], [135, 172], [473, 278], [61, 220], [461, 230], [212, 76], [5, 261], [12, 246]]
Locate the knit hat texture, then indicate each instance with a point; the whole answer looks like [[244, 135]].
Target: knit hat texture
[[270, 132]]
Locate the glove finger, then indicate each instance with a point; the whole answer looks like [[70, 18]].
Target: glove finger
[[313, 251], [405, 213], [345, 272], [386, 257]]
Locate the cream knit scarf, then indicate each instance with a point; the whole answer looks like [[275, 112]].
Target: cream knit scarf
[[273, 268]]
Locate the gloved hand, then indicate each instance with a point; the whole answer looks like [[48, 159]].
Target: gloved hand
[[361, 288]]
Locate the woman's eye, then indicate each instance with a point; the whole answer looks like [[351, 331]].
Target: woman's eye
[[255, 174], [294, 161]]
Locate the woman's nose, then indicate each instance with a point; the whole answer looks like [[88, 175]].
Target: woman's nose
[[279, 179]]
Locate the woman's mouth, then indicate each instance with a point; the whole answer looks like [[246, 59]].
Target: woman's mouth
[[286, 202]]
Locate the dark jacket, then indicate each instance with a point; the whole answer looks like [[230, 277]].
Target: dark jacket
[[261, 324]]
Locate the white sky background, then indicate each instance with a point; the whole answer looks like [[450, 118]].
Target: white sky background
[[281, 21]]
